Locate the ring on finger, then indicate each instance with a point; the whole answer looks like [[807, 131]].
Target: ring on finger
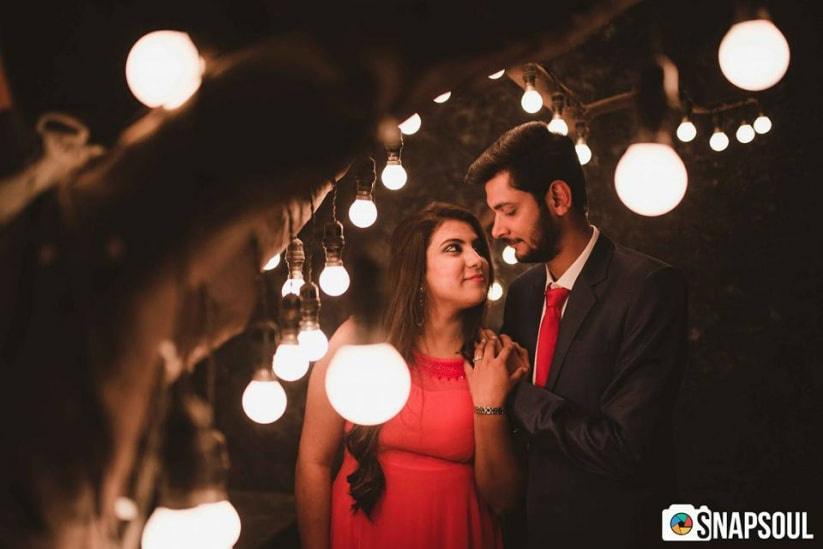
[[477, 358]]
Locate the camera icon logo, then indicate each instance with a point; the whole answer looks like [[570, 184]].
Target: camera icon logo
[[680, 523]]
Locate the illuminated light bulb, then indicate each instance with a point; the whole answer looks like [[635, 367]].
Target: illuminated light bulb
[[558, 125], [745, 133], [210, 525], [754, 55], [368, 384], [313, 342], [650, 179], [125, 509], [295, 258], [264, 399], [495, 291], [686, 131], [531, 101], [363, 213], [762, 124], [411, 124], [164, 69], [509, 255], [443, 97], [498, 74], [272, 263], [334, 280], [292, 285], [394, 176], [584, 153], [288, 362], [719, 140]]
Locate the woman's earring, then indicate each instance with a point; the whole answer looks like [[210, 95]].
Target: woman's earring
[[419, 309]]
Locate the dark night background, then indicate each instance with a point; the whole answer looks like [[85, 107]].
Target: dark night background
[[746, 234]]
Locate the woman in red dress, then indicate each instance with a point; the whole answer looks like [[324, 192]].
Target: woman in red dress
[[437, 474]]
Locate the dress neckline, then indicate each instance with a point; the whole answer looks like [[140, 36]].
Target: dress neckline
[[449, 368]]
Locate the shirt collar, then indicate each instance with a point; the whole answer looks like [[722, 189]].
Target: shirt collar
[[568, 278]]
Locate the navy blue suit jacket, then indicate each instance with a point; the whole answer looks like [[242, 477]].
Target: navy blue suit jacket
[[599, 437]]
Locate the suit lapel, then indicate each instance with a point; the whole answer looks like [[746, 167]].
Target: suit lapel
[[581, 300]]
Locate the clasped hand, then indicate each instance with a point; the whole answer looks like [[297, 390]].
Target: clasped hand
[[499, 363]]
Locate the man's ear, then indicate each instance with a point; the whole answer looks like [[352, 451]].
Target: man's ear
[[559, 197]]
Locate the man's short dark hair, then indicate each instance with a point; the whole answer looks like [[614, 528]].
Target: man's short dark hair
[[534, 157]]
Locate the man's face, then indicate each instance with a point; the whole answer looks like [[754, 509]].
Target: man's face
[[521, 221]]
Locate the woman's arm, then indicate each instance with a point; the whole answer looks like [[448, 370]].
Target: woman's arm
[[497, 467], [319, 441]]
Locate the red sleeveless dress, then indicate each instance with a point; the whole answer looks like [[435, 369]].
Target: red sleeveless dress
[[426, 452]]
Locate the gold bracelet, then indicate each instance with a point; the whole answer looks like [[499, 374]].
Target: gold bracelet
[[489, 411]]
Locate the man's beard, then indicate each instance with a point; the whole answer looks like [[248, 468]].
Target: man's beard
[[547, 240]]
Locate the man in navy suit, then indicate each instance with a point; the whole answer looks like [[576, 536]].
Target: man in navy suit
[[605, 330]]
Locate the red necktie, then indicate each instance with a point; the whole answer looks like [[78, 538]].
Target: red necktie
[[547, 340]]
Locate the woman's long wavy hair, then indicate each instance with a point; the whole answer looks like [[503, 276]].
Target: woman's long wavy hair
[[403, 320]]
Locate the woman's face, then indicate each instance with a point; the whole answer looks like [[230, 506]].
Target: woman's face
[[457, 276]]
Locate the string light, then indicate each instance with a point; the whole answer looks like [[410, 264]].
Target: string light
[[264, 399], [584, 152], [754, 54], [272, 263], [498, 74], [411, 125], [557, 124], [313, 342], [334, 280], [164, 69], [650, 179], [295, 258], [495, 291], [686, 131], [394, 176], [207, 525], [509, 255], [719, 140], [762, 124], [363, 211], [368, 384], [443, 97], [288, 362], [745, 133], [531, 101]]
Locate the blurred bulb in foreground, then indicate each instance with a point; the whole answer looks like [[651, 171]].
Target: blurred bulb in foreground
[[495, 291], [650, 179], [207, 526], [754, 55], [745, 133], [368, 384], [264, 399], [443, 97], [719, 140], [411, 125], [686, 131], [509, 255], [164, 69]]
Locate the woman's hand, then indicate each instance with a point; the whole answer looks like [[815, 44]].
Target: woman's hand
[[499, 363]]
